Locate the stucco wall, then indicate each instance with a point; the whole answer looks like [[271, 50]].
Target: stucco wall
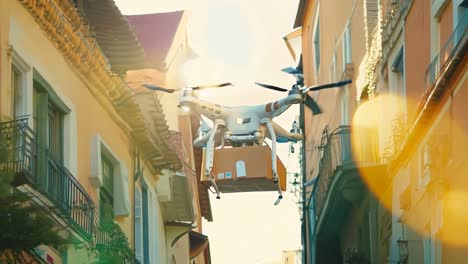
[[88, 117]]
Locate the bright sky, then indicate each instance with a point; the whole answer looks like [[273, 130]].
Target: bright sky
[[240, 41]]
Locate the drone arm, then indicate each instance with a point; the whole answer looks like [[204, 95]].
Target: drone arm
[[272, 133]]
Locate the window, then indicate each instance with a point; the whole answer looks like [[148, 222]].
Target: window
[[20, 74], [346, 46], [104, 163], [138, 226], [460, 18], [397, 65], [345, 106], [55, 132], [425, 166], [333, 68], [146, 233], [48, 116], [106, 192], [317, 45]]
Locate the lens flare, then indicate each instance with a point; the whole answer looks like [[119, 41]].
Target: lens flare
[[428, 190]]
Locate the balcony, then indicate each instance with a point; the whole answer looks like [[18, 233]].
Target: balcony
[[450, 51], [339, 183], [56, 190]]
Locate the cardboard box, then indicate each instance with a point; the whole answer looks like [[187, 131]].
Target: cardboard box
[[245, 169]]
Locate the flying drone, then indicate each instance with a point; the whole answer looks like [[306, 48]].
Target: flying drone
[[247, 125]]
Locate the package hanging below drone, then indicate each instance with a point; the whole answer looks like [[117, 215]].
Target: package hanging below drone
[[245, 169]]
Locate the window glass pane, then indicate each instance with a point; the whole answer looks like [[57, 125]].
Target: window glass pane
[[106, 208], [55, 133], [107, 174], [35, 108]]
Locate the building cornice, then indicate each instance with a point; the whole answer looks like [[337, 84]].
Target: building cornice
[[69, 33]]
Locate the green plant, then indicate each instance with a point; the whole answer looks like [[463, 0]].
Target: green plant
[[112, 245], [354, 256], [24, 225]]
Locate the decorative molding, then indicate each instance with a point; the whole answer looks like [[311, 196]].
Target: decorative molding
[[69, 33]]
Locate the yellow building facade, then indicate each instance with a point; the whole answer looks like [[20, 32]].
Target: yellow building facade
[[98, 151]]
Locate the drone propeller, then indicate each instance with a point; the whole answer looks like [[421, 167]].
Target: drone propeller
[[292, 70], [158, 88], [308, 101], [326, 86], [167, 90], [210, 86], [272, 87]]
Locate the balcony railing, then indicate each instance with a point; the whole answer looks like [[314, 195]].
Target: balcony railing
[[337, 153], [17, 149], [448, 51], [18, 158], [69, 196]]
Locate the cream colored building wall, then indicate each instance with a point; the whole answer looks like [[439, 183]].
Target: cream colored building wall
[[332, 23], [88, 117], [180, 251]]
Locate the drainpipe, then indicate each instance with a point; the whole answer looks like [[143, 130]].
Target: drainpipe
[[303, 187]]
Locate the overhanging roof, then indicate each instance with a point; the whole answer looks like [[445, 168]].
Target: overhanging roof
[[156, 33], [203, 195], [198, 243], [160, 154], [300, 13], [114, 35]]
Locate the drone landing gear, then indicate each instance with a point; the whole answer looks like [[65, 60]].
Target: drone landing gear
[[271, 131], [210, 145], [214, 185]]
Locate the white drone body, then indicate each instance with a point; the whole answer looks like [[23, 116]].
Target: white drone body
[[245, 125], [242, 125]]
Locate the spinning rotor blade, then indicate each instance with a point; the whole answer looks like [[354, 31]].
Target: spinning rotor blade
[[157, 88], [325, 86], [312, 105], [210, 86], [272, 87], [291, 70]]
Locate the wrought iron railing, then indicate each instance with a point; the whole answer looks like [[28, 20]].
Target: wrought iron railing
[[17, 149], [448, 51], [69, 196], [19, 158], [337, 153]]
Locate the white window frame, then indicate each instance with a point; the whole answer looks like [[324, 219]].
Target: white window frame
[[70, 158], [333, 68], [121, 195], [424, 165], [26, 73], [316, 46], [456, 18], [346, 46], [345, 106]]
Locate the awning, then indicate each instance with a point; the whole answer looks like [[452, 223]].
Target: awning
[[156, 33], [114, 35], [203, 195], [293, 41], [198, 244]]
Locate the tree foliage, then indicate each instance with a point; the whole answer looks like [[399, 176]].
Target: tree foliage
[[115, 247], [24, 225]]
